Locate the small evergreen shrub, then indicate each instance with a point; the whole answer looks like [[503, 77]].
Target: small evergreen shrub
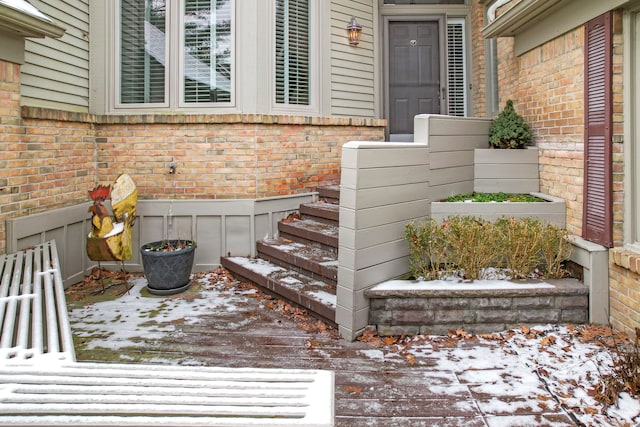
[[469, 247], [508, 129]]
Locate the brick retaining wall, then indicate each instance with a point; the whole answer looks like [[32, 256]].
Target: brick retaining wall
[[413, 310]]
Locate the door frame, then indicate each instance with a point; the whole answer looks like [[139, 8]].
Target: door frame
[[441, 19]]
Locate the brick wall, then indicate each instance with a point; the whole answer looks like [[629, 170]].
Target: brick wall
[[478, 94], [624, 290], [546, 85], [10, 142], [52, 158], [227, 156], [43, 165]]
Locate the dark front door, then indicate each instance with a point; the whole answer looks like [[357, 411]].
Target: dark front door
[[414, 74]]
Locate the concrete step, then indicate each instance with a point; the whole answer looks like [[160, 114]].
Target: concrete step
[[310, 231], [314, 295], [308, 259], [327, 213]]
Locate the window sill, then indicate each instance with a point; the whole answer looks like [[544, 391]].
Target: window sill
[[626, 258], [181, 118]]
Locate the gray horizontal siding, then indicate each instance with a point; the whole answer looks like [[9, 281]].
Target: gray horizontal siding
[[56, 71], [352, 68]]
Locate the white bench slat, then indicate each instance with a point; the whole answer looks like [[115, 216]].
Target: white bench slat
[[182, 421], [33, 311], [212, 396]]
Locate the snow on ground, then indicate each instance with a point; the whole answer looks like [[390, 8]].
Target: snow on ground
[[118, 323], [520, 367]]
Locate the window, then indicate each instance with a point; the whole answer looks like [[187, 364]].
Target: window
[[142, 52], [456, 68], [207, 51], [202, 55], [292, 52], [632, 130]]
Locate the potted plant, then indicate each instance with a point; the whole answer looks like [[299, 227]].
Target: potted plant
[[167, 265], [510, 165]]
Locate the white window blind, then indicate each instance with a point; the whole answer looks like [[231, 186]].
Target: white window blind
[[456, 68], [207, 51], [142, 51], [292, 67]]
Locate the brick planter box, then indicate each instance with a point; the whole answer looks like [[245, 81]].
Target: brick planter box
[[400, 307], [552, 211]]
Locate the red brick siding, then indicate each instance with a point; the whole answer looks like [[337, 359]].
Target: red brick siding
[[546, 85], [52, 158], [247, 159]]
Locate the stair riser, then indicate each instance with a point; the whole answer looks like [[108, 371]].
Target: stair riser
[[330, 194], [317, 213]]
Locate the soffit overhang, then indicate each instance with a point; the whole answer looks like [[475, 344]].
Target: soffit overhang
[[19, 18], [520, 17]]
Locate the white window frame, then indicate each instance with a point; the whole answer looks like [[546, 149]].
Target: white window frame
[[174, 82], [314, 77], [181, 67], [465, 64], [631, 132], [115, 90]]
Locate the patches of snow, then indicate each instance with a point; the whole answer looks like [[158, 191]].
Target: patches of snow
[[420, 285], [119, 323], [324, 297]]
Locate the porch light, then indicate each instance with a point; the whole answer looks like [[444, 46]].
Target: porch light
[[353, 30]]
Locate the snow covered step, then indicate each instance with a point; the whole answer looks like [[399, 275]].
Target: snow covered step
[[327, 213], [306, 230], [308, 259], [316, 296]]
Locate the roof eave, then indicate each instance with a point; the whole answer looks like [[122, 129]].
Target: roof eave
[[519, 18], [25, 25]]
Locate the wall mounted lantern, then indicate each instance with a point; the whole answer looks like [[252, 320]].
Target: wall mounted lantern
[[353, 30]]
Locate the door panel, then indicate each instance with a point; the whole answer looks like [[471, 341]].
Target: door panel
[[414, 73]]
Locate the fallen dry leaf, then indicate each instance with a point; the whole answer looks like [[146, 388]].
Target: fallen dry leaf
[[410, 358], [549, 340]]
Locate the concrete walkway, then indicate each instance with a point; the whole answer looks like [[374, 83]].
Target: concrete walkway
[[425, 381]]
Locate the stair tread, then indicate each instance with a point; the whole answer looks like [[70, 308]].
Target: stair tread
[[330, 207], [315, 295], [301, 250], [310, 225]]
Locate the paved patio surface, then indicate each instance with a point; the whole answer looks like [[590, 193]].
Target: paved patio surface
[[423, 381]]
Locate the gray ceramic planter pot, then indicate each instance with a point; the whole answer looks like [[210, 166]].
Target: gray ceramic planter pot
[[167, 272]]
